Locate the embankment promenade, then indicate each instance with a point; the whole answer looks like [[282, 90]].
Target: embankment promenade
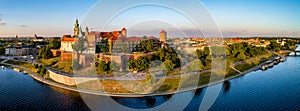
[[101, 93]]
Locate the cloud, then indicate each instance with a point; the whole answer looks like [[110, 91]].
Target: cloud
[[2, 23], [23, 25]]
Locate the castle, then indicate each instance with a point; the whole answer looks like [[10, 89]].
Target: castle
[[115, 41]]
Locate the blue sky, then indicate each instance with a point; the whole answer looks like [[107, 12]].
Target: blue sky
[[234, 17]]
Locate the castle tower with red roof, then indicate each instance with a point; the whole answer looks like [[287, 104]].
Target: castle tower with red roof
[[124, 32]]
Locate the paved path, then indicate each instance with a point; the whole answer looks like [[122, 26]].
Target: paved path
[[4, 61]]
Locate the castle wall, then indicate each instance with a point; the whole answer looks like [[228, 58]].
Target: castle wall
[[69, 80]]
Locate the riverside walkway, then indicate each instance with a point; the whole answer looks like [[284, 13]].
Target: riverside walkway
[[103, 93]]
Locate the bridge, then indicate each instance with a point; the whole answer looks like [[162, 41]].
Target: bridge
[[296, 51]]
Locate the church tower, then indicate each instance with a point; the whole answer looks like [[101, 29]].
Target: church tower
[[86, 33], [163, 36], [76, 28], [124, 32]]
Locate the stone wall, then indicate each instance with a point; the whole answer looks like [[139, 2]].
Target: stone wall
[[66, 56], [56, 53], [69, 79]]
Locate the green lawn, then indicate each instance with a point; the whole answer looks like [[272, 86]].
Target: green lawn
[[57, 64]]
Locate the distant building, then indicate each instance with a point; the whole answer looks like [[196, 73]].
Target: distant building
[[38, 39], [21, 50], [281, 42]]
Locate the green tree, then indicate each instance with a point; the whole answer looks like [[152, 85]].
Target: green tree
[[54, 44], [196, 65], [142, 63], [241, 56], [274, 45], [76, 65], [169, 65], [78, 46], [32, 43], [103, 47], [114, 66], [2, 50], [45, 53], [150, 79], [41, 70], [131, 65], [206, 51], [144, 37], [103, 67]]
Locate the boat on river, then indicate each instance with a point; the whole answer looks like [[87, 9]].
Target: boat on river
[[25, 72], [17, 69], [271, 63]]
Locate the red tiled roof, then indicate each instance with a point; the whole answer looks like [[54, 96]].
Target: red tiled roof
[[163, 31], [68, 39], [152, 37], [133, 39], [235, 39]]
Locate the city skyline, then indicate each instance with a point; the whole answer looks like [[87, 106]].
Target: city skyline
[[235, 18]]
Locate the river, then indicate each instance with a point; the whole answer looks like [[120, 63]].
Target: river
[[274, 89]]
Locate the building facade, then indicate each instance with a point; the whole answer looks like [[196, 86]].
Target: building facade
[[22, 50]]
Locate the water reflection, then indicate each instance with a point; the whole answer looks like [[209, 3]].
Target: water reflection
[[66, 92], [143, 102], [150, 101], [226, 86], [198, 92]]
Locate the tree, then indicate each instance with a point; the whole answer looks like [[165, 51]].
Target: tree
[[150, 79], [2, 50], [169, 65], [131, 64], [241, 56], [114, 66], [78, 46], [54, 44], [274, 45], [196, 65], [103, 67], [41, 70], [32, 43], [144, 37], [277, 49], [102, 47], [76, 65], [142, 63], [206, 51], [45, 53]]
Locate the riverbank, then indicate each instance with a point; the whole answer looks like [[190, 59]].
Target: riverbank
[[52, 83]]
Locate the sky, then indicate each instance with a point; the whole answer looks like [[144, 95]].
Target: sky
[[233, 18]]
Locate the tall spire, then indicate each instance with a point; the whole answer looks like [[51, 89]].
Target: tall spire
[[76, 28], [80, 32], [76, 23]]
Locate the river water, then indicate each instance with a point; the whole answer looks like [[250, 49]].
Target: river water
[[277, 88]]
